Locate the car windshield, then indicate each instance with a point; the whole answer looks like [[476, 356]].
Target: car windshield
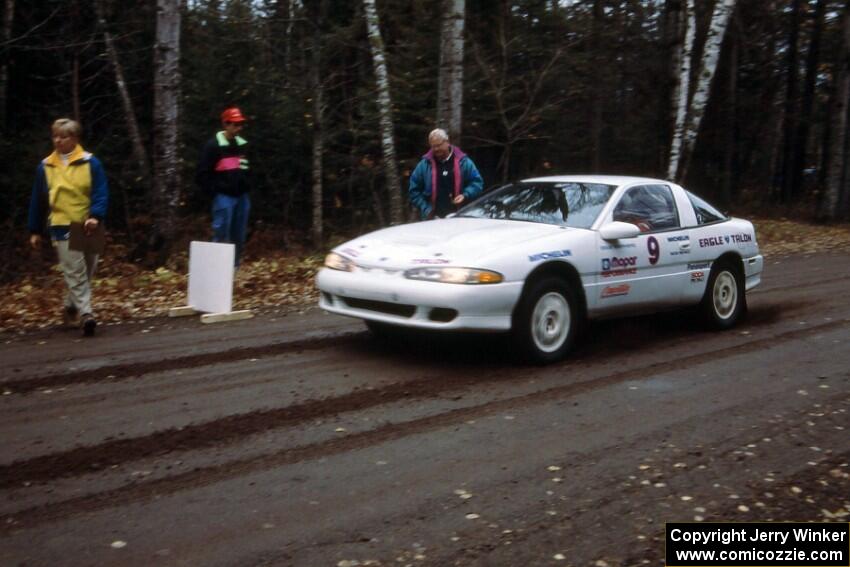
[[570, 203]]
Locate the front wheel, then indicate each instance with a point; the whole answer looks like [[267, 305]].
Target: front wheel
[[546, 321], [725, 300]]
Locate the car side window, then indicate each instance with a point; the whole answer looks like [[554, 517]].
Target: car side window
[[650, 207], [705, 212]]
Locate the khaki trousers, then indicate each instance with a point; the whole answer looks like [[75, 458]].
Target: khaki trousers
[[78, 269]]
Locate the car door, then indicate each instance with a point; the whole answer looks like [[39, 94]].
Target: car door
[[647, 271], [710, 237]]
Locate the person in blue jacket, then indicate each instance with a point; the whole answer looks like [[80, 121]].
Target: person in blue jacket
[[444, 179], [70, 187]]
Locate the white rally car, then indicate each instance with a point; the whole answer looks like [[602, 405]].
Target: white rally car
[[538, 257]]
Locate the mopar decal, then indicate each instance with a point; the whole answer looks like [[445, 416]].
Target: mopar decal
[[549, 255], [615, 290], [612, 267], [680, 238], [699, 265]]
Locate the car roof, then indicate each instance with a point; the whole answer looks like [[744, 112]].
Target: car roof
[[617, 180]]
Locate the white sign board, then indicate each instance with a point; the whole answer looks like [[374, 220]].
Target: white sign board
[[211, 276]]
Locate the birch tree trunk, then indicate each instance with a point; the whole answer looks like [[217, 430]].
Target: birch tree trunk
[[681, 90], [140, 155], [166, 185], [711, 55], [450, 79], [829, 205], [379, 59], [672, 38], [8, 18]]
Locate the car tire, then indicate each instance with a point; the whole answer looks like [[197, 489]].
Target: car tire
[[546, 321], [725, 299]]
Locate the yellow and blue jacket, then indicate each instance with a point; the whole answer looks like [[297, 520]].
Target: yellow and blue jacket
[[67, 193]]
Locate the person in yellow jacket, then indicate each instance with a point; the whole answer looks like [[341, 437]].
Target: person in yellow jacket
[[70, 187]]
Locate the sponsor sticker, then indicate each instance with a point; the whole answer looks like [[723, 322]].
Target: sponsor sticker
[[612, 267], [617, 246], [679, 238], [741, 238], [697, 277], [711, 241], [615, 290], [429, 261], [699, 265], [549, 255]]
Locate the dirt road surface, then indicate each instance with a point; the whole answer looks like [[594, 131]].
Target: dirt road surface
[[296, 439]]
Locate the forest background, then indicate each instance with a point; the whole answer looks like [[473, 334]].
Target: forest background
[[743, 102]]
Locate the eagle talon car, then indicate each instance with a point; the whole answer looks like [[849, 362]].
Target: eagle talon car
[[539, 257]]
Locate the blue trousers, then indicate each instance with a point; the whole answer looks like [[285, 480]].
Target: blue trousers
[[230, 220]]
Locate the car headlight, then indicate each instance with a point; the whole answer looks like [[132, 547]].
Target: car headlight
[[454, 275], [336, 261]]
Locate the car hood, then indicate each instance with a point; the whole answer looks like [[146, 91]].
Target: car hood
[[455, 241]]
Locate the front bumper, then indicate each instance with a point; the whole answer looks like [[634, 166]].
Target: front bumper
[[753, 267], [394, 299]]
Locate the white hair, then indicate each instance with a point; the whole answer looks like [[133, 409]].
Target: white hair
[[438, 135]]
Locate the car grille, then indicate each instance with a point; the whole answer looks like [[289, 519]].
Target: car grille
[[397, 309]]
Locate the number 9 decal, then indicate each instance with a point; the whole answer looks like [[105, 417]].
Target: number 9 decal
[[654, 250]]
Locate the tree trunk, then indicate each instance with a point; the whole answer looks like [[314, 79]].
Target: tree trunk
[[806, 114], [598, 90], [730, 125], [317, 218], [681, 90], [829, 205], [8, 18], [450, 79], [711, 54], [791, 119], [671, 33], [140, 155], [376, 43], [167, 183]]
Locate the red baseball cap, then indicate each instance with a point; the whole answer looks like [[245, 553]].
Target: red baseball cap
[[232, 114]]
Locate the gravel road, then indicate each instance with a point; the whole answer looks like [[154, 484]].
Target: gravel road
[[297, 439]]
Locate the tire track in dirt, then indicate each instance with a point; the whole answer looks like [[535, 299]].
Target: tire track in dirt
[[125, 371], [135, 369], [93, 458]]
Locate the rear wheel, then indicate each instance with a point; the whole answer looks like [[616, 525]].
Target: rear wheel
[[546, 321], [725, 300]]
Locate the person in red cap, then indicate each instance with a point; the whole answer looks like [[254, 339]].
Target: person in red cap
[[223, 173]]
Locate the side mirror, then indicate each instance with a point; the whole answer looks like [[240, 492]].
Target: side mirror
[[617, 230]]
